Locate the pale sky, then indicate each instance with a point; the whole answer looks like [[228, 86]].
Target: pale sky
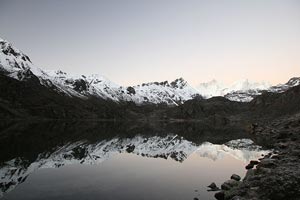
[[135, 41]]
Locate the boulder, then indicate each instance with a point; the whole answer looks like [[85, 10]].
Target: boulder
[[130, 90], [254, 162], [220, 195], [249, 166], [227, 185], [235, 177], [213, 187]]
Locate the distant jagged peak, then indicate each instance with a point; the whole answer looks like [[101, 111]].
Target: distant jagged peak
[[14, 62], [246, 84], [155, 83], [211, 88], [216, 88], [97, 78], [92, 79], [294, 81], [8, 49], [64, 74], [179, 83]]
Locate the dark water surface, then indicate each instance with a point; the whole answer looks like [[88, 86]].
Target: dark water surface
[[110, 160]]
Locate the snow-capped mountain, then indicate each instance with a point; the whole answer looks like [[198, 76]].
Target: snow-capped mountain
[[85, 86], [246, 94], [173, 93], [284, 87], [172, 147], [16, 64], [211, 89], [243, 90]]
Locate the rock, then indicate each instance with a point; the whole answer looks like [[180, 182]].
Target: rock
[[235, 177], [269, 162], [249, 166], [130, 148], [80, 85], [196, 198], [254, 162], [213, 187], [227, 185], [276, 175], [220, 195], [130, 90]]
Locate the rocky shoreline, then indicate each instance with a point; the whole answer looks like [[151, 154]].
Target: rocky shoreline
[[276, 175]]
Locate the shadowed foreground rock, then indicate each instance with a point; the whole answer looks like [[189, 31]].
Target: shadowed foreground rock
[[277, 175]]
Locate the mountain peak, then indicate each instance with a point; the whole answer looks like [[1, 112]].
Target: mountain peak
[[9, 50], [294, 81], [245, 84], [179, 83]]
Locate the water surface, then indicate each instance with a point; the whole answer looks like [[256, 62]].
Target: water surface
[[118, 161]]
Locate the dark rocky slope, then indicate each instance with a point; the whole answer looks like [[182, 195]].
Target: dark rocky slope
[[276, 125], [277, 104], [276, 176], [29, 99]]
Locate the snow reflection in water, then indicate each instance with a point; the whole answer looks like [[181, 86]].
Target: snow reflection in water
[[133, 156]]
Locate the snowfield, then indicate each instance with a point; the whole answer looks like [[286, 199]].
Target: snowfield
[[17, 65]]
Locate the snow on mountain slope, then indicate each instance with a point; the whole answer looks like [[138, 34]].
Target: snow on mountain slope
[[172, 147], [284, 87], [255, 89], [16, 64], [92, 85], [211, 89], [242, 90], [245, 85], [13, 62], [172, 93]]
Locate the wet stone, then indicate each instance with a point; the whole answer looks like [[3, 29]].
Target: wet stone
[[220, 195], [249, 166], [235, 177], [213, 187], [254, 162], [227, 185]]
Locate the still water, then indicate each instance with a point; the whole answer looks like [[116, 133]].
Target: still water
[[119, 161]]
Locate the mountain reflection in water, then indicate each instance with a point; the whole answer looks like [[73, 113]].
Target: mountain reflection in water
[[125, 151]]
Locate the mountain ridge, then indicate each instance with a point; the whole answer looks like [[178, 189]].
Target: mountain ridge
[[14, 63]]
